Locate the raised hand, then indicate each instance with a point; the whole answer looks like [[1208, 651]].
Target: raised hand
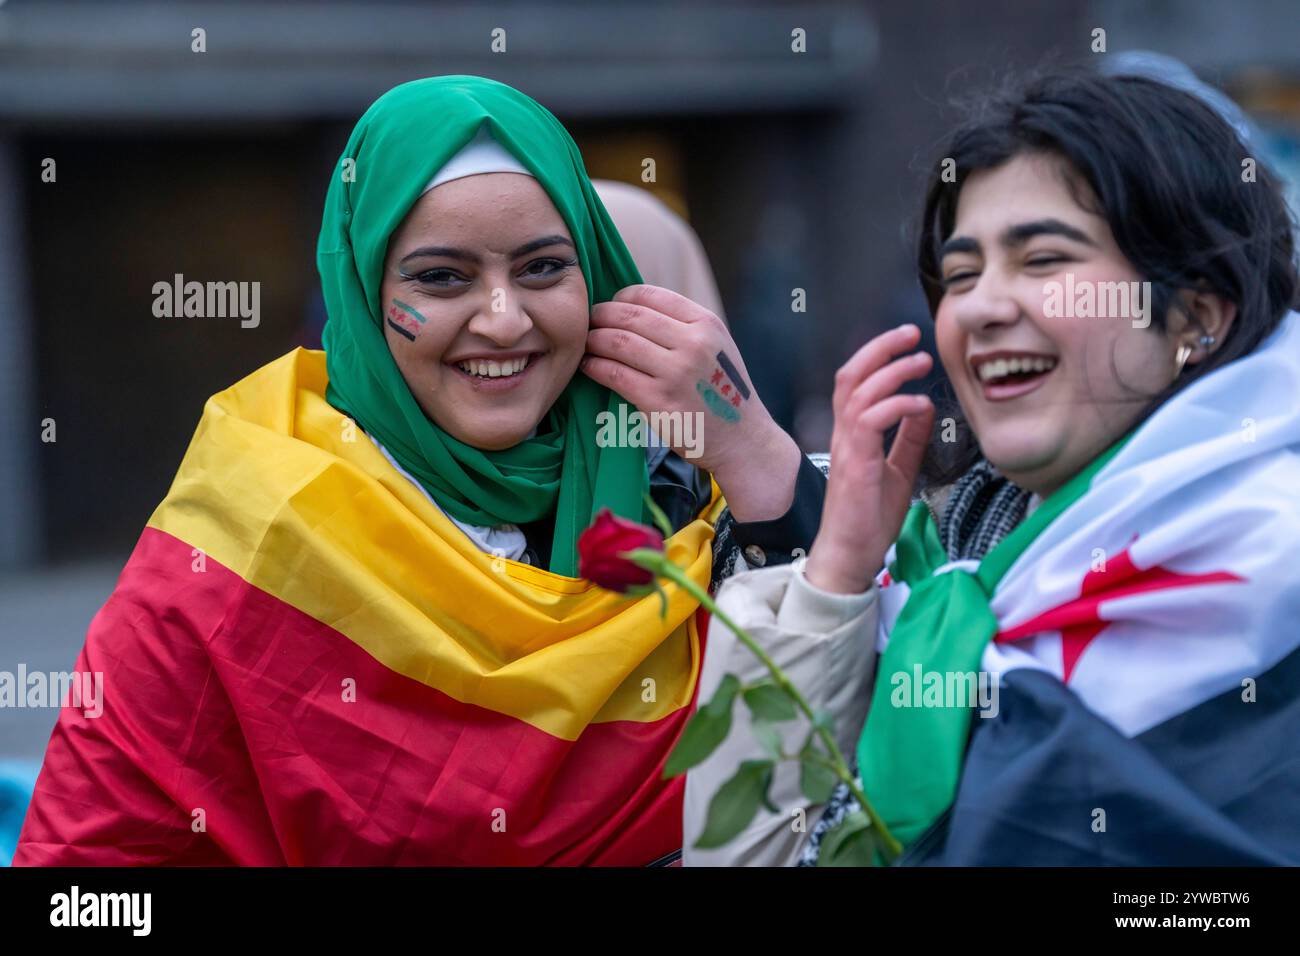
[[869, 493], [667, 355]]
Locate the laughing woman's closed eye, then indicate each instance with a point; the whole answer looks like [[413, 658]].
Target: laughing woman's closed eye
[[353, 631], [1055, 621]]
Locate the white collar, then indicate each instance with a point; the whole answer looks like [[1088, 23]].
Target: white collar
[[503, 541]]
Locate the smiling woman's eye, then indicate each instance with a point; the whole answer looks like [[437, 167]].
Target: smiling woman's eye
[[961, 276], [443, 278], [1045, 260], [546, 268]]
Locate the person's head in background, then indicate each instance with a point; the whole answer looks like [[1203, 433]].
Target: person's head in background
[[1074, 182], [666, 249]]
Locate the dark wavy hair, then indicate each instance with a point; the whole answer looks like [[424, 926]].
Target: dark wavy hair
[[1166, 172]]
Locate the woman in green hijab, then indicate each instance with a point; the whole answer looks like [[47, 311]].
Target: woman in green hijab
[[518, 448], [362, 577]]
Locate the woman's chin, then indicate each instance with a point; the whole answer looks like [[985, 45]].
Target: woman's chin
[[496, 438], [1020, 458]]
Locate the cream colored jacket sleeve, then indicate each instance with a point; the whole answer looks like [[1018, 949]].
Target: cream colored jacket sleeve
[[826, 644]]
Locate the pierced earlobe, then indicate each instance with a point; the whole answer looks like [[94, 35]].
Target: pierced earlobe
[[1184, 352]]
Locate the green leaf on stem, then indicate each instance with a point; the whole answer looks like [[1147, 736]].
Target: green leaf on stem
[[825, 720], [816, 780], [852, 843], [707, 728], [770, 739], [767, 701], [735, 803], [660, 519], [767, 795]]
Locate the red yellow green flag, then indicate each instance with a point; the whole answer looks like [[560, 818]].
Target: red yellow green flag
[[306, 662]]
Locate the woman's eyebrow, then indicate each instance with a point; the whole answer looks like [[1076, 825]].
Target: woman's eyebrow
[[1020, 234], [451, 252], [959, 244], [541, 243]]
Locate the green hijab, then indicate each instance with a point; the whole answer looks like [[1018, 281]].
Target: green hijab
[[401, 142]]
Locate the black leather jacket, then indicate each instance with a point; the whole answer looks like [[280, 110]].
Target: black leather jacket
[[682, 490]]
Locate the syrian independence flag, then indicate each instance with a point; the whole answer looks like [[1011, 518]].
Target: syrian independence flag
[[306, 662], [1143, 705]]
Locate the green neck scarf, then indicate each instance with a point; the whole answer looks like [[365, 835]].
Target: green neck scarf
[[400, 143], [910, 758]]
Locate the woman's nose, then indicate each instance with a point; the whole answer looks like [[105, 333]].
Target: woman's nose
[[501, 318], [990, 303]]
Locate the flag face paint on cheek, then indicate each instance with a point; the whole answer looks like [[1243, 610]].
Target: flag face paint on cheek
[[404, 319]]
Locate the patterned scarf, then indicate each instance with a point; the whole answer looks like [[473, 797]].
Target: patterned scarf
[[982, 509]]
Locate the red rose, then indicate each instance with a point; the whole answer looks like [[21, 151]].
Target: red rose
[[600, 548]]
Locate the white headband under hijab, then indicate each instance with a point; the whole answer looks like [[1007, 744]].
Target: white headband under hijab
[[482, 154]]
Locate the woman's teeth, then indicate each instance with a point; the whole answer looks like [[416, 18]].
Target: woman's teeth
[[1001, 368], [490, 369]]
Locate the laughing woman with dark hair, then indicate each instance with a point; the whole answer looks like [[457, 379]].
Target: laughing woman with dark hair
[[1078, 645]]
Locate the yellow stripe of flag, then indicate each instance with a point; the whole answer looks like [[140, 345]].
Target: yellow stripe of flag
[[272, 488]]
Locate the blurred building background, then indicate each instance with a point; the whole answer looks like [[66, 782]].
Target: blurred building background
[[798, 170]]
